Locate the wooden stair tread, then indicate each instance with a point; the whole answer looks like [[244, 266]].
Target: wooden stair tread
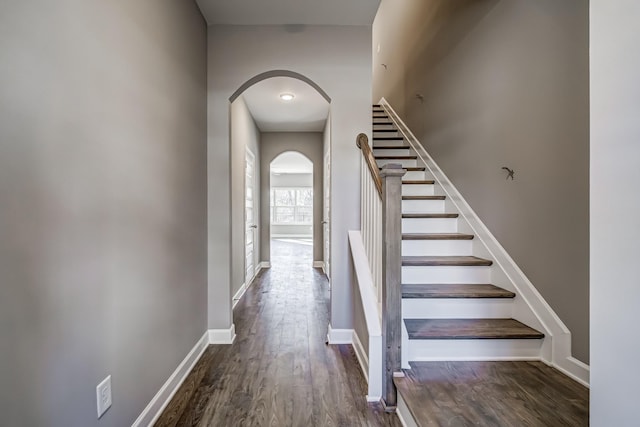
[[446, 261], [454, 290], [437, 236], [413, 169], [392, 147], [469, 329], [419, 182], [387, 138], [429, 215], [396, 157], [423, 197]]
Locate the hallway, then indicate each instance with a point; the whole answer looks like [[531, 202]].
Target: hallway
[[279, 371]]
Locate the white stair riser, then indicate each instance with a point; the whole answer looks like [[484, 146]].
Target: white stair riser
[[423, 206], [429, 225], [457, 308], [446, 274], [382, 132], [377, 120], [437, 247], [392, 142], [425, 350], [418, 189], [392, 152], [406, 163], [416, 175]]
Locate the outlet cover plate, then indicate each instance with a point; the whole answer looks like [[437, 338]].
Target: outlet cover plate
[[103, 396]]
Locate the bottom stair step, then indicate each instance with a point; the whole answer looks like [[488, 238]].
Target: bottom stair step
[[448, 329], [490, 394]]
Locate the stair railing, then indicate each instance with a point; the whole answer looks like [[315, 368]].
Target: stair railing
[[381, 223]]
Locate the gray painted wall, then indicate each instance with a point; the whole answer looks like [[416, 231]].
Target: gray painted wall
[[103, 204], [505, 83], [272, 144], [615, 210], [337, 59], [244, 135]]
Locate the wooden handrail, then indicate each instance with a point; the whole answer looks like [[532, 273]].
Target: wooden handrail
[[362, 141]]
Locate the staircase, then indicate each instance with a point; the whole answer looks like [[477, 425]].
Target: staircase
[[451, 309]]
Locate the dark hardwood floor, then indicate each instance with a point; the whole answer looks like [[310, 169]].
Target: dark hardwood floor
[[279, 371], [493, 394]]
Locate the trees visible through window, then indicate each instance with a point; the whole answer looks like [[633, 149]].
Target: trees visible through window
[[291, 206]]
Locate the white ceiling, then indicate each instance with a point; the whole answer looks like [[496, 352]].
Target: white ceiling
[[307, 112], [282, 12], [291, 162]]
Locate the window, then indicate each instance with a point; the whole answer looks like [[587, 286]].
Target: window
[[291, 206]]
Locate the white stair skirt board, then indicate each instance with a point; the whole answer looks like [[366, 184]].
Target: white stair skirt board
[[364, 281], [339, 336], [429, 225], [371, 367], [437, 247], [423, 206], [404, 414], [154, 409], [222, 336], [457, 308], [265, 264], [318, 264], [531, 306], [473, 349], [418, 189], [446, 274]]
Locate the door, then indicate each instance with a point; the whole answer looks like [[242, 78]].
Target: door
[[250, 216], [326, 214]]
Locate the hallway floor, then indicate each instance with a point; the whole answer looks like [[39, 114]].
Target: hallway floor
[[279, 371]]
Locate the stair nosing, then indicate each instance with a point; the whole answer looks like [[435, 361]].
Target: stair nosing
[[419, 182], [429, 215], [437, 236], [445, 261], [395, 157], [530, 334], [424, 197], [472, 291]]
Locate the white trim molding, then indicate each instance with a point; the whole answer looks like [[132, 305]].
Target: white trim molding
[[339, 336], [264, 264], [318, 264], [238, 296], [222, 336], [154, 409]]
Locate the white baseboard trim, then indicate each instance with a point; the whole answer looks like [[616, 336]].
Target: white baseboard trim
[[160, 401], [361, 355], [264, 264], [404, 414], [318, 264], [222, 336], [339, 336], [238, 296], [576, 370]]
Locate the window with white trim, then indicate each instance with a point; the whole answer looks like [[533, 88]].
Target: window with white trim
[[292, 206]]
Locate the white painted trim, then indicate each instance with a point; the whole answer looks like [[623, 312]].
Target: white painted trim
[[318, 264], [404, 414], [339, 336], [222, 336], [576, 370], [265, 264], [363, 360], [154, 409], [534, 311], [238, 296]]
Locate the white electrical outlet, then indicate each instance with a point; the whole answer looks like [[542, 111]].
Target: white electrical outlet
[[103, 394]]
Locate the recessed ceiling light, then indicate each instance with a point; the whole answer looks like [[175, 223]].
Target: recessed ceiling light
[[287, 96]]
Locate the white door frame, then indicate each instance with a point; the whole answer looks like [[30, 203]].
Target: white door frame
[[250, 217]]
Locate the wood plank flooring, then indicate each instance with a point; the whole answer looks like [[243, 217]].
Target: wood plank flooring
[[493, 394], [279, 371]]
